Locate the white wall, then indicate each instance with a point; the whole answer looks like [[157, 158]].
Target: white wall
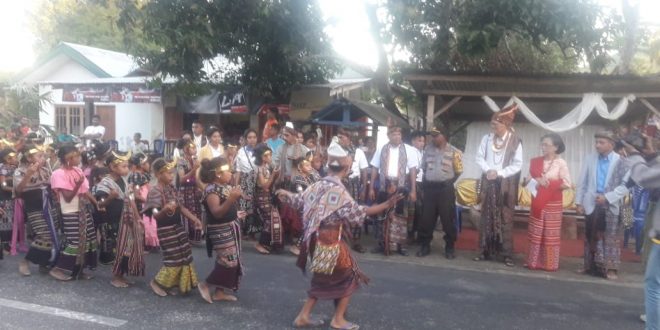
[[579, 143], [130, 118], [61, 68]]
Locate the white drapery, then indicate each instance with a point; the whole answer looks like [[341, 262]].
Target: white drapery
[[575, 117]]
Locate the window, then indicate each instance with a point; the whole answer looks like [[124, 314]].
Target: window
[[70, 119]]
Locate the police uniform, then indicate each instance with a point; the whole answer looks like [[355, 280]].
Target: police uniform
[[441, 168]]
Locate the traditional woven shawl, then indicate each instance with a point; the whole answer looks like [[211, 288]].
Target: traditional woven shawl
[[401, 167], [322, 199], [108, 184]]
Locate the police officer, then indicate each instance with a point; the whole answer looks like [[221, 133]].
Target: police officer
[[442, 164]]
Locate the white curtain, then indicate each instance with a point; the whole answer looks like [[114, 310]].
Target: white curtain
[[575, 117], [579, 143]]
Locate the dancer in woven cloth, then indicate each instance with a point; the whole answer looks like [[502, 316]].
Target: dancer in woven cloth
[[223, 233], [165, 204], [117, 196], [329, 212], [72, 190]]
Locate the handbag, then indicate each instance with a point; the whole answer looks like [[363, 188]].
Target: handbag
[[326, 256]]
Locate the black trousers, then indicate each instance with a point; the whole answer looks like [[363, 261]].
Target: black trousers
[[438, 200]]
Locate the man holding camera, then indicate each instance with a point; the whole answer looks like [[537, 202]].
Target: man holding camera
[[645, 172], [396, 164], [442, 164]]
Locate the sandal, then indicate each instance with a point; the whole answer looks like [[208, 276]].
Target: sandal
[[314, 323], [509, 262], [348, 326]]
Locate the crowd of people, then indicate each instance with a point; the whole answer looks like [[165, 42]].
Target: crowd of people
[[81, 204]]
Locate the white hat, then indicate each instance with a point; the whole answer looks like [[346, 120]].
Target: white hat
[[335, 152]]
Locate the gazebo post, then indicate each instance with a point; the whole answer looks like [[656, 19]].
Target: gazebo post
[[430, 107]]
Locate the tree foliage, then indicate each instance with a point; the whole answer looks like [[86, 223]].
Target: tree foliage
[[267, 46], [87, 22], [479, 35]]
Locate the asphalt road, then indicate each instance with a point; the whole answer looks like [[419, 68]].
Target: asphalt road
[[400, 296]]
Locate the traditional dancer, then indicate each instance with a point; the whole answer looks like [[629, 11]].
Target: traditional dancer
[[118, 198], [500, 159], [31, 184], [271, 234], [186, 168], [551, 176], [72, 189], [246, 177], [139, 179], [329, 211], [223, 233], [8, 163], [397, 170], [600, 190], [165, 205]]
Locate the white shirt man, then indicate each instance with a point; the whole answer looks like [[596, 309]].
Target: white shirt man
[[95, 130]]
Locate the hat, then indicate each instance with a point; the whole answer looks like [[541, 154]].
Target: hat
[[606, 134], [335, 154], [436, 131], [506, 115]]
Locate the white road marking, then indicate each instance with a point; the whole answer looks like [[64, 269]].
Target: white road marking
[[54, 311]]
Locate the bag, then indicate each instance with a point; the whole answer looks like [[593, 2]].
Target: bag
[[325, 256]]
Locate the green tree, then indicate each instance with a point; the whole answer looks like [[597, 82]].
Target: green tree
[[268, 47], [88, 22]]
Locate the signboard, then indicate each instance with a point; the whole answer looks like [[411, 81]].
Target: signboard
[[111, 94], [232, 103]]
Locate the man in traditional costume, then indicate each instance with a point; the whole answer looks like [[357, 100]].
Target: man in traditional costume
[[283, 160], [599, 193], [329, 212], [442, 164], [500, 158], [397, 169], [356, 181]]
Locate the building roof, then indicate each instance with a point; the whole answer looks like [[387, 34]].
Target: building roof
[[333, 114], [532, 85], [137, 80], [99, 62]]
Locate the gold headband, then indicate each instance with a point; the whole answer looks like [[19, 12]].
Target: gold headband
[[119, 158], [267, 152], [231, 146], [304, 162], [191, 144], [222, 168], [33, 151], [11, 154], [167, 167], [7, 143]]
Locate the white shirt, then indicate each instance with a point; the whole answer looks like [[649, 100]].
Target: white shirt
[[197, 139], [245, 161], [420, 170], [93, 130], [411, 161], [359, 163], [71, 207], [138, 148], [217, 152], [488, 160]]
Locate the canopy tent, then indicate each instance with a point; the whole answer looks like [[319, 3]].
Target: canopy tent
[[345, 112]]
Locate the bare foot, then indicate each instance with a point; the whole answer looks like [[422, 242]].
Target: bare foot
[[24, 268], [118, 283], [261, 249], [204, 292], [59, 275], [294, 250], [343, 325], [300, 322], [127, 281], [157, 289], [221, 296]]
